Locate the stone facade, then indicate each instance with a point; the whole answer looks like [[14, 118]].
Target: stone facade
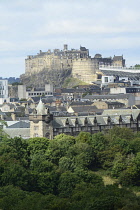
[[118, 61], [87, 69], [58, 59], [43, 124]]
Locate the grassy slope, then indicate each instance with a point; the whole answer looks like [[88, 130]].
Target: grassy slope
[[72, 82]]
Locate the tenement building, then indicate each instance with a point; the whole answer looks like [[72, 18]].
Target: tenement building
[[44, 124]]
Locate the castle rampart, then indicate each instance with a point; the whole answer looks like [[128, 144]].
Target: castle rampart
[[58, 59]]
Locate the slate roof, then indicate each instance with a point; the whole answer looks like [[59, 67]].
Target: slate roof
[[9, 104], [114, 103], [20, 124], [80, 103], [18, 132], [47, 99], [133, 112], [72, 90], [111, 96], [78, 109], [61, 122]]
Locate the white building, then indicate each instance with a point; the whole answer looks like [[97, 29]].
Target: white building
[[3, 91], [107, 79], [23, 93]]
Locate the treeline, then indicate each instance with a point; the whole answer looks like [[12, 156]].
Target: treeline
[[62, 174]]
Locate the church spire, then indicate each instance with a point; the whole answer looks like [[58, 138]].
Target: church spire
[[41, 110]]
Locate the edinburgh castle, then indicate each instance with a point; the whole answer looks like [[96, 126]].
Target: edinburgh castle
[[81, 64]]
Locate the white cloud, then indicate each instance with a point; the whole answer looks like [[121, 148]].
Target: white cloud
[[28, 26]]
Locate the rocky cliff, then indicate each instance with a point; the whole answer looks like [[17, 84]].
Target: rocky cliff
[[55, 77]]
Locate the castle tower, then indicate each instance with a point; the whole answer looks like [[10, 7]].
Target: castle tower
[[41, 122]]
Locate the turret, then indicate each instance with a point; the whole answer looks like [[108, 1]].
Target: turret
[[41, 122]]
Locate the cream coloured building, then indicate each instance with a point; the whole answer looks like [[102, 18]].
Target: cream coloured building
[[56, 59]]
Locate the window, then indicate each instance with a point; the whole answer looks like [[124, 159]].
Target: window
[[106, 79], [36, 135], [36, 128]]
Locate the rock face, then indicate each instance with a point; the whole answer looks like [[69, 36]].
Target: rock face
[[55, 77]]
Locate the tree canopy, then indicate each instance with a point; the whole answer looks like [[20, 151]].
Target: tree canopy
[[65, 173]]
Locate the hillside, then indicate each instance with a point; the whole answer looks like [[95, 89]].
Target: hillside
[[56, 77], [71, 82]]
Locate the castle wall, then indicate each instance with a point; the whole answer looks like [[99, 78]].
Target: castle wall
[[83, 66], [85, 69], [58, 59]]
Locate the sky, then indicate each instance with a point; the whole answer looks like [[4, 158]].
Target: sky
[[108, 27]]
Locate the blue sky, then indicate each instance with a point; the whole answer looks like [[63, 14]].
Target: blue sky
[[108, 27]]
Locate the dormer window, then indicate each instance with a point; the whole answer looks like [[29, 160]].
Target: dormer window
[[109, 120], [86, 121], [120, 119], [95, 121], [67, 122], [76, 121], [131, 118]]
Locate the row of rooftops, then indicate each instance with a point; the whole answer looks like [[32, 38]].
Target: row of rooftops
[[114, 117], [20, 128], [91, 120]]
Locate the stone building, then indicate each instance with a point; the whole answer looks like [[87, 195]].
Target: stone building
[[118, 61], [58, 59], [127, 99], [87, 69], [44, 124], [83, 66]]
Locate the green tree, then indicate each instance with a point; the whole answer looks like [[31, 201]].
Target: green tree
[[81, 154], [67, 183], [121, 133], [37, 145], [58, 147], [83, 137]]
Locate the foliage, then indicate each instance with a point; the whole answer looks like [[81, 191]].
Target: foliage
[[137, 66], [16, 83], [39, 173]]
